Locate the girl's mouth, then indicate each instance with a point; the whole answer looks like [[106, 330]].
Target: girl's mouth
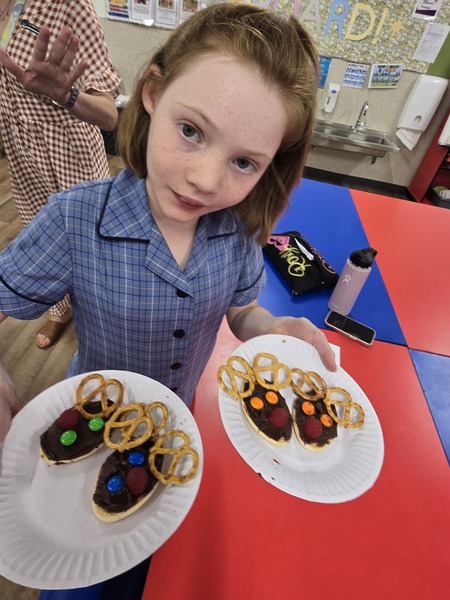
[[188, 203]]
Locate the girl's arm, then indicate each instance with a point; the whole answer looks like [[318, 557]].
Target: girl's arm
[[249, 321], [9, 404]]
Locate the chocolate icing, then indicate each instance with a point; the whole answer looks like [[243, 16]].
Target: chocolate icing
[[86, 441], [260, 417], [117, 464], [328, 433]]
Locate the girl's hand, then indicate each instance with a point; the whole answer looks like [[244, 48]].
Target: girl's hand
[[249, 321], [303, 329], [50, 71]]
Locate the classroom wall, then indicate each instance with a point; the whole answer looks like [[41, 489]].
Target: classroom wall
[[130, 46]]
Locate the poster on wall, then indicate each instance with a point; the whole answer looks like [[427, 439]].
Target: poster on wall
[[142, 10], [118, 9], [427, 9], [324, 67], [431, 42], [355, 75], [188, 8], [385, 76], [166, 13]]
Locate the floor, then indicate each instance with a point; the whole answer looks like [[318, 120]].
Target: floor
[[31, 368]]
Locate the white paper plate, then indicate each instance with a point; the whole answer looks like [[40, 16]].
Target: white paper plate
[[50, 538], [341, 472]]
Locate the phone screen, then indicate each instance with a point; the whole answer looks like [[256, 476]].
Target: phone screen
[[351, 328]]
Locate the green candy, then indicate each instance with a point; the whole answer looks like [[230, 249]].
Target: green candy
[[96, 424], [68, 438]]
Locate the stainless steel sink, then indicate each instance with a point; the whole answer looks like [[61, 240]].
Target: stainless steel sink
[[345, 137]]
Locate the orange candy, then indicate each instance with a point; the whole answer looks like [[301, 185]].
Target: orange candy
[[308, 408], [256, 403], [271, 397], [326, 420]]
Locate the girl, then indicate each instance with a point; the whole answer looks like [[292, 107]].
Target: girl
[[214, 139]]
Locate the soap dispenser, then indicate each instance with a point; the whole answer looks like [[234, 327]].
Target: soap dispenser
[[332, 96]]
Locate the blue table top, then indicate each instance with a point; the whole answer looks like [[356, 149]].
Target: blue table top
[[433, 371], [326, 215]]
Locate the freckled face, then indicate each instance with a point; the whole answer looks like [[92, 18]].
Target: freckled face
[[213, 133]]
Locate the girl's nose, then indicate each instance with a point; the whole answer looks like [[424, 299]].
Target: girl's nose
[[206, 173]]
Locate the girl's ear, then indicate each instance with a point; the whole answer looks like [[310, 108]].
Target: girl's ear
[[150, 93]]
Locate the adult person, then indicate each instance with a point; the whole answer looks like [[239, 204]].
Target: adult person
[[57, 89]]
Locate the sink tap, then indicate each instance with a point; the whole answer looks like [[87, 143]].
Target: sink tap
[[360, 123]]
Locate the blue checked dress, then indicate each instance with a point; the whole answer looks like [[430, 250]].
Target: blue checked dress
[[133, 308]]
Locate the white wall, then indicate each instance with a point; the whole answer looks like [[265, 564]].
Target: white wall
[[100, 7]]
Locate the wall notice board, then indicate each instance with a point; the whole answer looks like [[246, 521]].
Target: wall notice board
[[375, 31]]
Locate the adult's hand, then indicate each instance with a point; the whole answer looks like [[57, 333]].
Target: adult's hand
[[50, 71]]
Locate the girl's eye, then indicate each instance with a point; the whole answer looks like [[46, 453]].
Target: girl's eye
[[245, 165], [189, 131]]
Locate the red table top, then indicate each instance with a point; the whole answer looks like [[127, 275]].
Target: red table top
[[413, 243], [244, 538]]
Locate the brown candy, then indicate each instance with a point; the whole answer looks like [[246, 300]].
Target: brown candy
[[312, 429], [137, 480], [278, 417], [69, 419]]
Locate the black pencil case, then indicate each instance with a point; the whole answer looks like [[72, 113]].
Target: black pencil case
[[300, 263]]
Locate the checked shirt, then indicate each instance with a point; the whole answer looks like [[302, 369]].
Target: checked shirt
[[133, 308]]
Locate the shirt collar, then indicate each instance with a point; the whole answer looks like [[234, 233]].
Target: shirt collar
[[126, 213]]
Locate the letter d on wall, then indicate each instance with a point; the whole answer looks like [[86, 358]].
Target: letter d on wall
[[359, 7]]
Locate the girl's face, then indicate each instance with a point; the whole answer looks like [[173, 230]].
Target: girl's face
[[213, 133]]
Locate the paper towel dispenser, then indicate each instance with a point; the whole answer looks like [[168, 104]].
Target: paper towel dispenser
[[422, 102], [444, 138]]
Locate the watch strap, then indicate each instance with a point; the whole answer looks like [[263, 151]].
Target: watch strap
[[74, 93]]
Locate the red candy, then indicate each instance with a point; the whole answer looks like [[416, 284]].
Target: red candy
[[69, 419], [278, 417], [137, 480], [312, 429]]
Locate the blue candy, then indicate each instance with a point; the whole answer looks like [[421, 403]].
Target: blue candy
[[115, 483]]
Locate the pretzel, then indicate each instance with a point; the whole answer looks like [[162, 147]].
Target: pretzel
[[232, 387], [309, 385], [349, 406], [178, 453], [128, 426], [277, 370], [102, 391], [164, 419]]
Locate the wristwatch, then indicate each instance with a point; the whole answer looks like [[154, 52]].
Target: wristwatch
[[74, 93]]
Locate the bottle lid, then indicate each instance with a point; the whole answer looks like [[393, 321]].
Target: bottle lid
[[363, 258]]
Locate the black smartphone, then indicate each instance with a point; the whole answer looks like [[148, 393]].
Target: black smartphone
[[351, 328]]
